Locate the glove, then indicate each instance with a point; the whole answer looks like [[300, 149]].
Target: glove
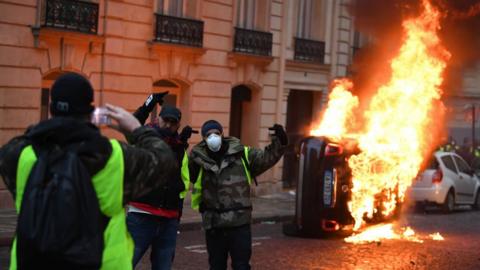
[[155, 98], [280, 133], [185, 134]]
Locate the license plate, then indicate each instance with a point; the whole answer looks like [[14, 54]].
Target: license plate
[[327, 188]]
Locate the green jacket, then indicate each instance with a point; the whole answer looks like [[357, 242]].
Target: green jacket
[[224, 190]]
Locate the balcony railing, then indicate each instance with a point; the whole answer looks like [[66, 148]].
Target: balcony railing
[[309, 50], [177, 30], [252, 42], [72, 15]]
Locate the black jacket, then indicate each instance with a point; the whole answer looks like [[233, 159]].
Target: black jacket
[[145, 159], [169, 196]]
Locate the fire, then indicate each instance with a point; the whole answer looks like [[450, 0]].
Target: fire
[[339, 110], [395, 135], [386, 232]]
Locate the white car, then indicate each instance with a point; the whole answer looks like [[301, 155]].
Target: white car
[[447, 181]]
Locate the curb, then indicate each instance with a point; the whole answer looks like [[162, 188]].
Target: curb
[[192, 226]]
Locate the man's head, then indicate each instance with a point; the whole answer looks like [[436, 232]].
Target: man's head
[[71, 95], [169, 118], [212, 133]]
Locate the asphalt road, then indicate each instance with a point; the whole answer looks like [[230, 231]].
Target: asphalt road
[[273, 250]]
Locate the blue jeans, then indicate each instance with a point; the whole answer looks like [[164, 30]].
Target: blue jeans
[[159, 233]]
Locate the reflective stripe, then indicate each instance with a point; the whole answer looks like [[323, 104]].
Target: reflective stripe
[[247, 171], [197, 187], [185, 174], [108, 185]]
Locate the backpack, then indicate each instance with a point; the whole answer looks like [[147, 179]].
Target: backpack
[[60, 224]]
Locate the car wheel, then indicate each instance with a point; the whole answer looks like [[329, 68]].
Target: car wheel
[[476, 204], [449, 202]]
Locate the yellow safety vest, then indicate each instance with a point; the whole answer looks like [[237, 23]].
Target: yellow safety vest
[[197, 187], [108, 185]]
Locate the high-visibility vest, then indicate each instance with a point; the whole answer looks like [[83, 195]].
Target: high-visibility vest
[[185, 174], [108, 185], [197, 187]]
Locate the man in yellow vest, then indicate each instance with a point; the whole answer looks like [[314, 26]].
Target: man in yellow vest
[[222, 169], [119, 173]]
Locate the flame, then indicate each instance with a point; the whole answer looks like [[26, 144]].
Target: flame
[[386, 232], [339, 110], [436, 236], [395, 135]]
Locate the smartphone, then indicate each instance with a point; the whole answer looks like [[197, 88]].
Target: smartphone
[[100, 117]]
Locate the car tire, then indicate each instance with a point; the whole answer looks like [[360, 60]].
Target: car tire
[[449, 203], [476, 204]]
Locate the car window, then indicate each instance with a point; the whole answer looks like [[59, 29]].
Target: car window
[[448, 161], [462, 165], [432, 164]]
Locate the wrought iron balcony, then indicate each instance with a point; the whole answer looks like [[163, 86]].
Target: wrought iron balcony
[[252, 42], [72, 15], [309, 50], [178, 30]]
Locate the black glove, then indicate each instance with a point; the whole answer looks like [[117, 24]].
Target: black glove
[[185, 134], [280, 133], [155, 98]]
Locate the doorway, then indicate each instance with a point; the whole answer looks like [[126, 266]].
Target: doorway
[[299, 118]]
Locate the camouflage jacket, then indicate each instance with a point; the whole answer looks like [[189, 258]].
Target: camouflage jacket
[[225, 193], [146, 158]]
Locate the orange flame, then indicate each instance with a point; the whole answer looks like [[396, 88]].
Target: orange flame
[[396, 133], [386, 232], [339, 110]]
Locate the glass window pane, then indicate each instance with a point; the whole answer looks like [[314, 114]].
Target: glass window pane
[[448, 161]]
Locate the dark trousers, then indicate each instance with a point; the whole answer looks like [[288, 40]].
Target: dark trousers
[[234, 241], [159, 233]]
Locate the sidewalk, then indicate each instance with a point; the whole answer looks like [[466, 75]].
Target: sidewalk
[[268, 208]]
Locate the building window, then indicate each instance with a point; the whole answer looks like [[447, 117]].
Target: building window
[[171, 7], [246, 14], [304, 18], [80, 16], [44, 103]]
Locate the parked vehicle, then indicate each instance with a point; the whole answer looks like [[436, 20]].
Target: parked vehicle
[[447, 181], [324, 189]]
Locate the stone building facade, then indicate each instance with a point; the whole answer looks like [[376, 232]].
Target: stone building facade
[[247, 63]]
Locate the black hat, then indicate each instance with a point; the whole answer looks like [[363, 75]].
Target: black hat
[[170, 112], [209, 125], [71, 94]]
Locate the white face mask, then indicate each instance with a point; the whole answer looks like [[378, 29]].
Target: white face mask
[[214, 142]]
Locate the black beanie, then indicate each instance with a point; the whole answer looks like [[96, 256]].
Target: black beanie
[[209, 125], [71, 95]]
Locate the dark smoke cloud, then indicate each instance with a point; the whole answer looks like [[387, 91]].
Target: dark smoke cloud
[[382, 20]]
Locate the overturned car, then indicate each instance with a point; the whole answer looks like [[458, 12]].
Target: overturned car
[[324, 189]]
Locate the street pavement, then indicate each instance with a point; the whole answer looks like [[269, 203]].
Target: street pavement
[[273, 250]]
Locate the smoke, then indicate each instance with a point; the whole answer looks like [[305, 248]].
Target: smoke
[[381, 20]]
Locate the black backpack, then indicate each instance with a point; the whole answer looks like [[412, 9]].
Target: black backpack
[[60, 225]]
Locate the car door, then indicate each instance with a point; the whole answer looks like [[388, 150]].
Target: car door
[[466, 182]]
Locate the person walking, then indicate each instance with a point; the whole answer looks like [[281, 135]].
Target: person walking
[[153, 219], [70, 183], [222, 170]]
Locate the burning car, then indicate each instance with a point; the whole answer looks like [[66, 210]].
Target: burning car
[[324, 190]]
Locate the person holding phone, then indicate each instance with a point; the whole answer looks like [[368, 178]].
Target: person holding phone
[[117, 173], [153, 219], [222, 170]]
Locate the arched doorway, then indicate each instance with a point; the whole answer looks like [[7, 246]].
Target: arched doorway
[[178, 96], [240, 95], [244, 114]]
